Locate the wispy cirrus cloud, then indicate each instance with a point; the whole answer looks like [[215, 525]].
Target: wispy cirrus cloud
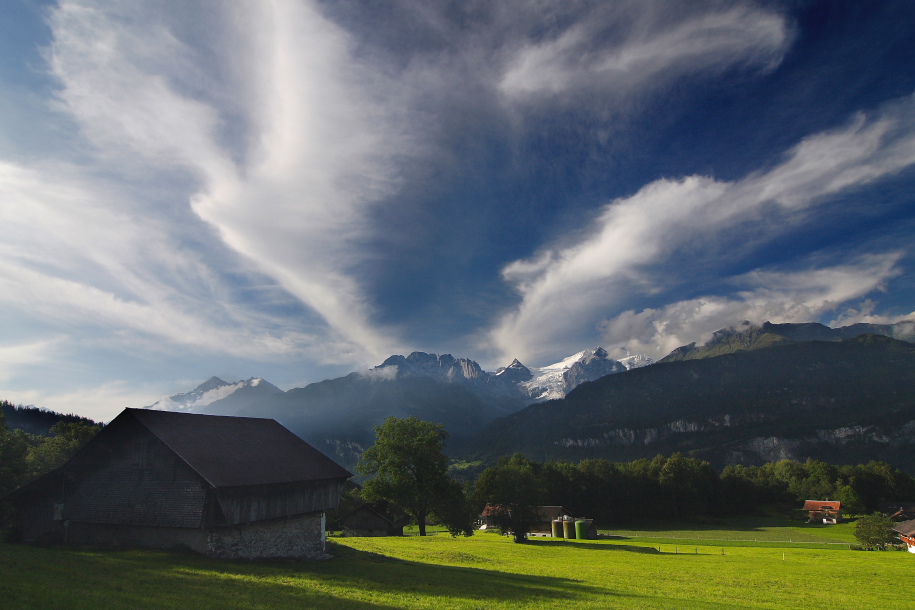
[[565, 289], [653, 50], [288, 189]]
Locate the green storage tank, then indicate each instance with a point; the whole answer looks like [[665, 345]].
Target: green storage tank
[[581, 530], [568, 529], [557, 529]]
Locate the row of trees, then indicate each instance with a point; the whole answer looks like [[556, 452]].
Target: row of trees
[[410, 470], [25, 456]]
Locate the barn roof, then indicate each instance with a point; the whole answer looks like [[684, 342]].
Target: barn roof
[[906, 528], [238, 451], [551, 513]]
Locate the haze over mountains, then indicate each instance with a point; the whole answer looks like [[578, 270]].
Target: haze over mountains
[[338, 415], [750, 394]]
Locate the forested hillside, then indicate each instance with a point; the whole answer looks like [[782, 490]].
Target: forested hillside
[[845, 402]]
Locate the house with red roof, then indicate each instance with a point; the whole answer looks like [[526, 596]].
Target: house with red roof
[[827, 511]]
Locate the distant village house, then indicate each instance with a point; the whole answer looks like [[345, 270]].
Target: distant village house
[[906, 531], [553, 521], [899, 511], [233, 487], [365, 520], [827, 511]]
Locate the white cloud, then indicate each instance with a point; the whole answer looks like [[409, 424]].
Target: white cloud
[[313, 153], [768, 296], [566, 288], [101, 403], [653, 51], [14, 357], [77, 262], [386, 373]]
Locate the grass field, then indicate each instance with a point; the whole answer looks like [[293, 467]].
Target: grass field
[[482, 572]]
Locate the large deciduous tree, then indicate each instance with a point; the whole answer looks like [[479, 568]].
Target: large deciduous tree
[[410, 469], [512, 492], [875, 530]]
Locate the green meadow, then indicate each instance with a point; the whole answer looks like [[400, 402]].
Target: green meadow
[[663, 569]]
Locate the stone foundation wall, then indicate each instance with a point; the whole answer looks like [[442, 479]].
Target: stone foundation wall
[[295, 538]]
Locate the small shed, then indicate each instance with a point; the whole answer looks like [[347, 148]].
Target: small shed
[[827, 511], [235, 487], [906, 531], [366, 520]]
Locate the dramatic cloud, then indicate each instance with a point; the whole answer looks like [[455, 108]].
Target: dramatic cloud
[[290, 191], [564, 288], [767, 297], [293, 189]]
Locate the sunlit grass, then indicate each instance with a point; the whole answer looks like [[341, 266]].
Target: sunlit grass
[[773, 529], [485, 571]]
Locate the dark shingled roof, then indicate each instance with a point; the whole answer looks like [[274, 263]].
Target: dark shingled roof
[[238, 451]]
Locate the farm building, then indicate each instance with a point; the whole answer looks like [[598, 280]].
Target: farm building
[[906, 531], [899, 511], [548, 517], [365, 520], [827, 511], [234, 487], [543, 527]]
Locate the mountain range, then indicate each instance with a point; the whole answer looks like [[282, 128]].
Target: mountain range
[[750, 394], [338, 415]]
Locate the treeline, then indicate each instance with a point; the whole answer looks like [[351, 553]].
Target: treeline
[[678, 487], [37, 421], [25, 456]]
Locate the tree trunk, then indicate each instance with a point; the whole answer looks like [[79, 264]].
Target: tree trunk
[[421, 521]]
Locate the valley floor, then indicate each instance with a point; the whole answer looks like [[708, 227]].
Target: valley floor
[[645, 569]]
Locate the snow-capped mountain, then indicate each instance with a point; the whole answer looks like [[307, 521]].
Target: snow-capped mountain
[[218, 397], [514, 380], [445, 367], [557, 380]]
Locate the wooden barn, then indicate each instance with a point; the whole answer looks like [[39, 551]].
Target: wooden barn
[[233, 487], [366, 520], [827, 511], [906, 531], [899, 511]]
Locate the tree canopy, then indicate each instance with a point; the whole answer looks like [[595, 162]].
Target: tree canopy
[[512, 491], [875, 530], [410, 469]]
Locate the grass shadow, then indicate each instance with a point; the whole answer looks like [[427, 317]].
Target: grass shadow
[[80, 578]]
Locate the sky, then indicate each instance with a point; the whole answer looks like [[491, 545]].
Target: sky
[[295, 190]]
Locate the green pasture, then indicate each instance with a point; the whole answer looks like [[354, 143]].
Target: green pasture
[[773, 530], [486, 571]]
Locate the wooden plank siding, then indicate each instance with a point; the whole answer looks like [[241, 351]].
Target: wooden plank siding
[[258, 503]]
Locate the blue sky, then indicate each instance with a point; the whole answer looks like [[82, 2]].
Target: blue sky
[[296, 190]]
